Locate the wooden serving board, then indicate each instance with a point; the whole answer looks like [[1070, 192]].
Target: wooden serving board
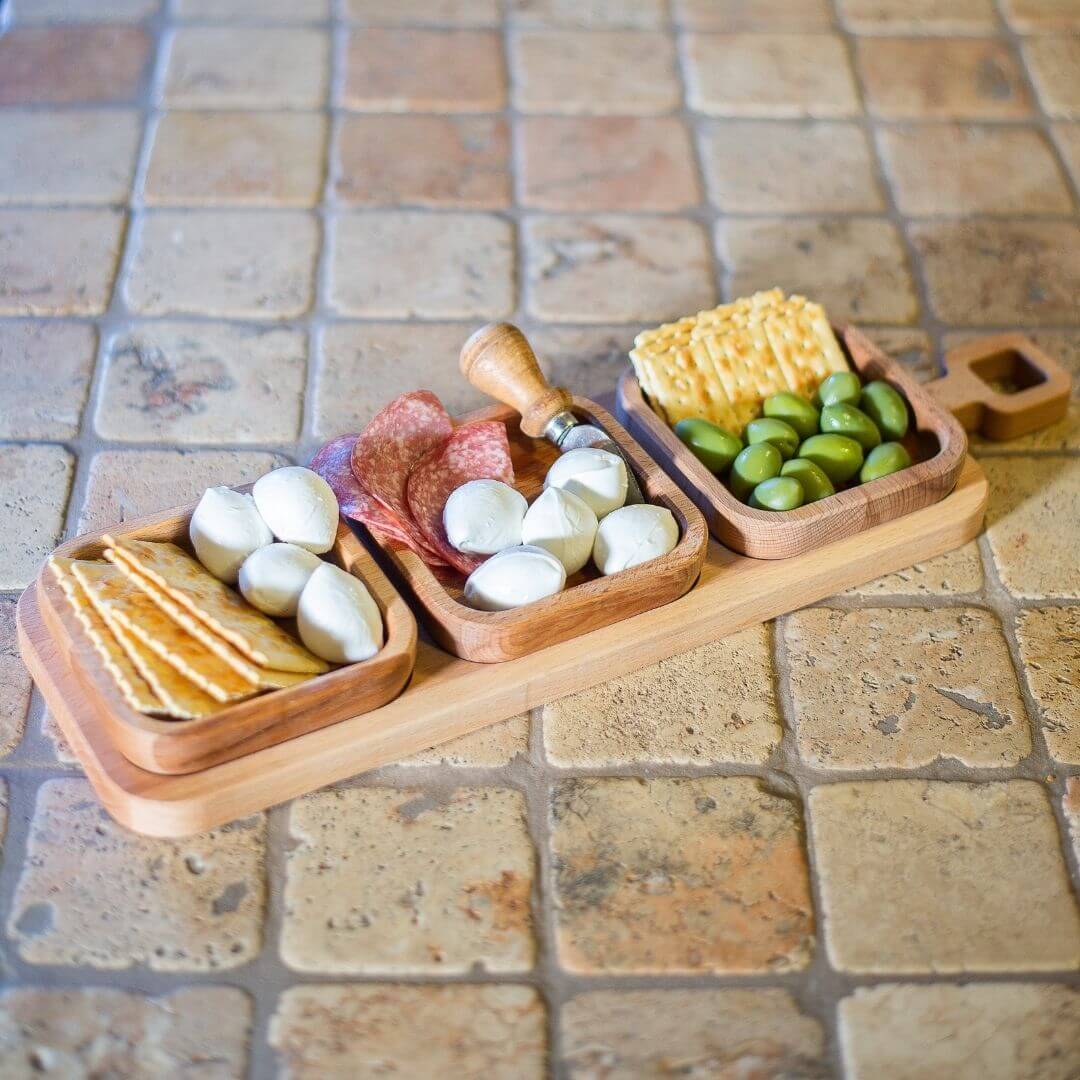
[[449, 697]]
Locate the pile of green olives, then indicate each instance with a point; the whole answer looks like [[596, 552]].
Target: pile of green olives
[[799, 450]]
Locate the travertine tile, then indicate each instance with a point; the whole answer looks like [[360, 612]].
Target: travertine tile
[[941, 78], [490, 747], [201, 1033], [1054, 65], [666, 875], [908, 345], [62, 750], [928, 876], [606, 163], [433, 266], [733, 16], [34, 486], [79, 156], [1067, 137], [262, 10], [1000, 272], [45, 370], [589, 359], [918, 16], [1041, 16], [14, 683], [382, 880], [59, 65], [964, 169], [1071, 806], [26, 11], [242, 158], [601, 71], [93, 894], [496, 1032], [1049, 642], [247, 68], [714, 704], [58, 262], [641, 14], [439, 12], [396, 70], [1030, 499], [956, 572], [608, 268], [904, 687], [770, 166], [856, 267], [636, 1034], [203, 382], [981, 1031], [440, 161], [233, 263], [775, 75]]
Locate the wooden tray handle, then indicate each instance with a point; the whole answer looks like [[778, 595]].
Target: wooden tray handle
[[499, 362]]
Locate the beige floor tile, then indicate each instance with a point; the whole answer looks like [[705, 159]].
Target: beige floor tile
[[34, 486], [1041, 16], [439, 12], [93, 894], [203, 382], [918, 16], [496, 1032], [14, 682], [856, 267], [58, 262], [714, 704], [97, 1031], [589, 14], [982, 1031], [609, 268], [237, 158], [1054, 64], [45, 370], [60, 746], [634, 1034], [1071, 806], [1067, 137], [405, 264], [111, 11], [586, 359], [904, 687], [391, 881], [942, 876], [910, 346], [232, 263], [1030, 498], [274, 11], [679, 875], [773, 75], [733, 16], [1049, 642], [954, 573], [601, 71], [489, 748], [247, 68]]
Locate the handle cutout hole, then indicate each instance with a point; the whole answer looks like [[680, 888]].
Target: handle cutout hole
[[1008, 372]]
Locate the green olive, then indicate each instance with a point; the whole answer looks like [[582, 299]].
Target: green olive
[[815, 484], [779, 493], [714, 447], [844, 419], [837, 456], [839, 387], [759, 462], [887, 458], [886, 408], [794, 410], [782, 435]]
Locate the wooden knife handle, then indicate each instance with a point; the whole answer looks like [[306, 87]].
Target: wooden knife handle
[[499, 362]]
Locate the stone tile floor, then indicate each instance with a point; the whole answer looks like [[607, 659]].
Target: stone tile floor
[[844, 844]]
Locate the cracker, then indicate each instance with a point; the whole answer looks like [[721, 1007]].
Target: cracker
[[797, 346]]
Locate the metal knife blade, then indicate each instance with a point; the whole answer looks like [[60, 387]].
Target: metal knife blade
[[588, 435]]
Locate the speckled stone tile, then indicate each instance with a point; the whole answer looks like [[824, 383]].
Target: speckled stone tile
[[732, 16], [489, 748], [1049, 640], [1054, 64], [904, 687], [588, 14], [1071, 806], [908, 345], [284, 11], [93, 894], [586, 359], [918, 16], [34, 486], [925, 875], [679, 875], [981, 1031], [714, 704], [1041, 16], [1067, 137], [61, 748], [14, 682], [393, 881], [956, 572], [440, 12], [390, 1029], [79, 11]]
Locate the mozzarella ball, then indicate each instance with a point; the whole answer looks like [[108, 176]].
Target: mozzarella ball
[[484, 516], [299, 506], [563, 524], [273, 578], [597, 477], [632, 535], [337, 618], [515, 576], [225, 529]]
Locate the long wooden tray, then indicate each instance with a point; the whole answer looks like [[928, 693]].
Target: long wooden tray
[[449, 697]]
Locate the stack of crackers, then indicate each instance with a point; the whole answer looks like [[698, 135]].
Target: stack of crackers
[[175, 640], [720, 365]]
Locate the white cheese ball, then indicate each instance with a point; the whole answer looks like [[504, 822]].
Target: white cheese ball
[[597, 477], [632, 535], [299, 506], [225, 529], [515, 576], [563, 524], [484, 516], [337, 617], [273, 578]]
